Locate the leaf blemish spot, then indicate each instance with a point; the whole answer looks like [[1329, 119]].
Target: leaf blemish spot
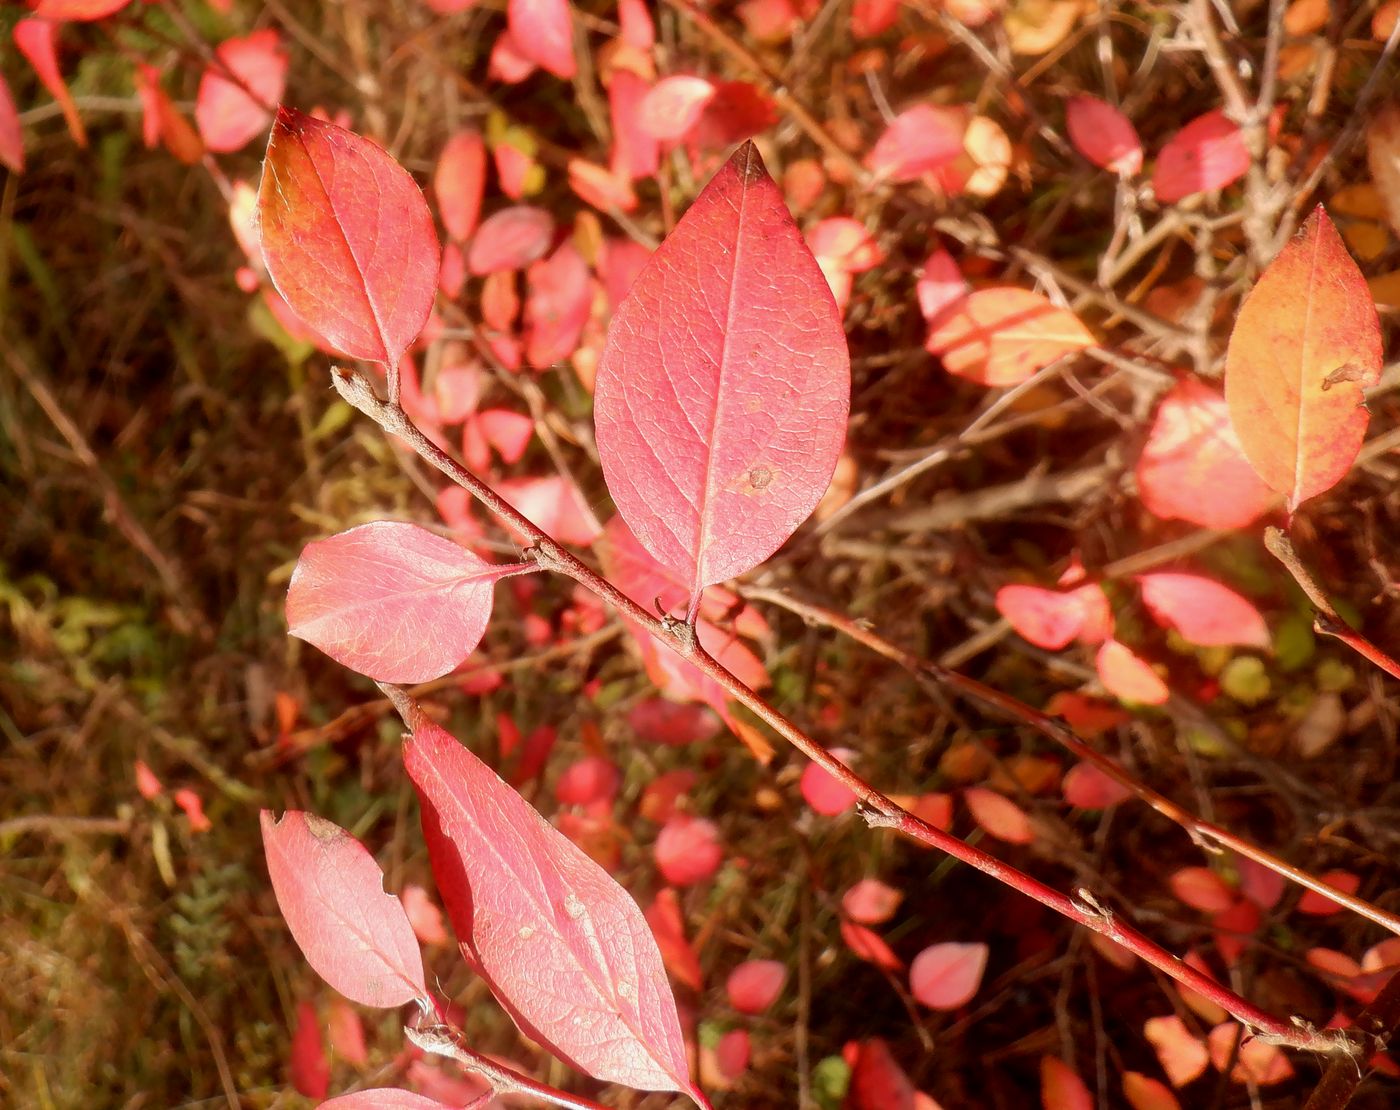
[[573, 906], [760, 476]]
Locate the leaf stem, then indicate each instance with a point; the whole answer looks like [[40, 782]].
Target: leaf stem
[[444, 1040], [878, 810]]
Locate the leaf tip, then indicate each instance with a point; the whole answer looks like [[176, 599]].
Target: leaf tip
[[748, 164]]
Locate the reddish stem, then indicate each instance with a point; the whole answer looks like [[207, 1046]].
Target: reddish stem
[[444, 1041], [878, 810]]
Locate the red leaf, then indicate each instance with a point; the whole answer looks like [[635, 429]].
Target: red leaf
[[732, 1054], [543, 32], [1061, 1088], [11, 134], [946, 976], [392, 600], [1202, 889], [921, 139], [998, 815], [1183, 1056], [667, 925], [1002, 336], [1208, 153], [635, 152], [307, 1066], [557, 304], [739, 111], [37, 40], [754, 985], [553, 504], [1257, 1062], [346, 1033], [231, 114], [564, 948], [160, 120], [192, 806], [1103, 134], [1320, 905], [347, 237], [873, 17], [823, 792], [1193, 467], [871, 902], [723, 391], [1090, 788], [1203, 611], [331, 893], [147, 784], [870, 946], [1051, 618], [510, 239], [459, 180], [1145, 1093], [673, 107], [382, 1098], [591, 780], [1305, 344], [877, 1082], [423, 915], [76, 10], [667, 722], [688, 850], [1261, 885], [1127, 676], [940, 285], [508, 432]]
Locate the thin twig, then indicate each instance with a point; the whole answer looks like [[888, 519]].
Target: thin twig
[[878, 810], [442, 1040]]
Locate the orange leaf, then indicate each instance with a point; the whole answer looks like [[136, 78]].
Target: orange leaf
[[1305, 345], [1128, 676], [1002, 336]]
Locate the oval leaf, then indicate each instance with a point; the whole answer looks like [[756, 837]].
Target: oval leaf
[[542, 31], [382, 1098], [459, 182], [228, 113], [673, 106], [1128, 676], [1306, 343], [331, 893], [754, 985], [1103, 134], [392, 600], [1203, 611], [510, 240], [1002, 336], [724, 388], [946, 976], [1208, 153], [564, 948], [347, 237]]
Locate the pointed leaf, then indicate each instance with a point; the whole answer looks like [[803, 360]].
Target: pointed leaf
[[1193, 466], [1208, 153], [331, 893], [870, 946], [1103, 134], [1002, 336], [723, 391], [231, 114], [919, 140], [459, 181], [871, 902], [946, 976], [564, 948], [1203, 611], [543, 33], [37, 40], [347, 237], [1306, 343], [392, 600]]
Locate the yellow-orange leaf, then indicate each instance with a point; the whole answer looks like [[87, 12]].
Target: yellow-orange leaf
[[1305, 345], [1003, 336]]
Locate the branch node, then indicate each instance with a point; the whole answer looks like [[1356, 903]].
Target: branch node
[[1085, 902], [546, 554]]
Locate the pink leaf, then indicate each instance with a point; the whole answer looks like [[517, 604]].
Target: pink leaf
[[870, 946], [230, 114], [459, 180], [877, 1082], [508, 62], [1051, 618], [510, 240], [331, 893], [940, 285], [871, 902], [559, 299], [754, 985], [543, 33], [591, 780], [76, 10], [1183, 1056], [11, 134], [1203, 611], [1088, 787], [508, 432], [823, 792], [732, 1054], [147, 784], [308, 1068], [553, 504], [192, 806], [636, 26], [635, 151], [1103, 134], [1257, 1062], [673, 106], [667, 722], [382, 1098], [1261, 885], [347, 237], [921, 139], [723, 392], [1128, 676], [1319, 905], [1193, 467], [1202, 889], [1061, 1088], [423, 915], [37, 40], [688, 850], [946, 976], [392, 600], [346, 1033], [1208, 153], [998, 815], [564, 948]]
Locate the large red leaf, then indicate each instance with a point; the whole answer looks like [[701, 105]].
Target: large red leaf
[[392, 600], [331, 893], [723, 391], [1193, 468], [543, 33], [1002, 336], [1305, 345], [231, 114], [347, 237], [1202, 610], [564, 948]]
